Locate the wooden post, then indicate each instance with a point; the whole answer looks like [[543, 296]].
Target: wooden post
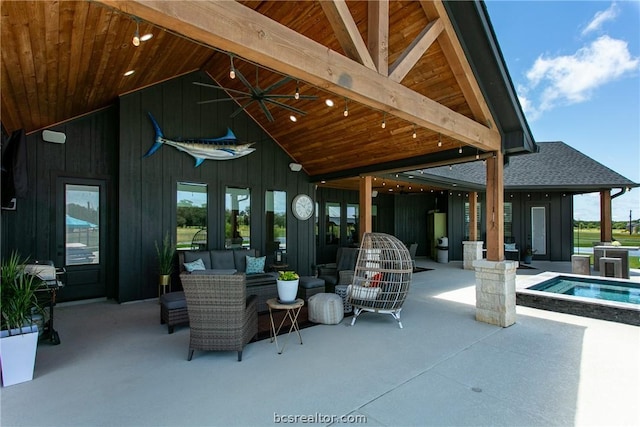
[[495, 207], [473, 216], [365, 206], [605, 216]]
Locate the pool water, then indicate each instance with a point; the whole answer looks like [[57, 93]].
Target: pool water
[[592, 288]]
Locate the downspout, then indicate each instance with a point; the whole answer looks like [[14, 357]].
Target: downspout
[[622, 191]]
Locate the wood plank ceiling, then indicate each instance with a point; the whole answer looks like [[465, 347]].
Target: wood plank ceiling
[[63, 59]]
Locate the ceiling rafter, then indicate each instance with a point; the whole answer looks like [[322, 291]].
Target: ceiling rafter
[[236, 28], [378, 34], [458, 62], [346, 31], [415, 50]]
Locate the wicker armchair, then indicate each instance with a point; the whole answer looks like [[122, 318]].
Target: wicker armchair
[[221, 317], [382, 276]]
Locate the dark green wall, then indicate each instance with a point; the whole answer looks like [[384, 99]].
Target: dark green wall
[[147, 196]]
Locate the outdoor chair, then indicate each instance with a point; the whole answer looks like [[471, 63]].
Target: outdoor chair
[[413, 248], [340, 272], [221, 317], [382, 276]]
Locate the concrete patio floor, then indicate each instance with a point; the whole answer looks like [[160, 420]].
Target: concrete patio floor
[[117, 366]]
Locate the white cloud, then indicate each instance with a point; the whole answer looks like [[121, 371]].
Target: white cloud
[[600, 18], [572, 79]]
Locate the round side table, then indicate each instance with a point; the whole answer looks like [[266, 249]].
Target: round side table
[[292, 312]]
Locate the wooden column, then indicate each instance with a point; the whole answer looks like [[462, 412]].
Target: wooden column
[[473, 216], [605, 216], [495, 207], [365, 206]]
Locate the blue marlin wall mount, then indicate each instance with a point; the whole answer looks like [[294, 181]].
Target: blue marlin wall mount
[[223, 148]]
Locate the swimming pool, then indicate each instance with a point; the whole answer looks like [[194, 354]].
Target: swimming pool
[[598, 297]]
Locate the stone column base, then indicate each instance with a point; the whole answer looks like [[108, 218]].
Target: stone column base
[[472, 250], [496, 292]]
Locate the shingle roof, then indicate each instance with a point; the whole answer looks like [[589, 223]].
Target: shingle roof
[[556, 165]]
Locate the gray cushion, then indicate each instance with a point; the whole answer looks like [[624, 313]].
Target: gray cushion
[[240, 255], [309, 282], [190, 256], [173, 300], [222, 260], [347, 258]]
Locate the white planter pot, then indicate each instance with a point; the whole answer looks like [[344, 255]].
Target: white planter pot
[[18, 356], [287, 290]]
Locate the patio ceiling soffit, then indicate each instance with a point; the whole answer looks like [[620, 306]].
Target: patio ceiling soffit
[[233, 27]]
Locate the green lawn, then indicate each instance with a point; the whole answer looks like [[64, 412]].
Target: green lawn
[[585, 238]]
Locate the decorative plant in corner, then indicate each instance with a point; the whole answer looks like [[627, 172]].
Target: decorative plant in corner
[[287, 286], [165, 252], [528, 254], [18, 335]]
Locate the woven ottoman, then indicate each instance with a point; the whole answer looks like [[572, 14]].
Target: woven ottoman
[[173, 310], [309, 286], [326, 308]]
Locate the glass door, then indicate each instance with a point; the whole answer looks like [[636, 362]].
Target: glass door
[[80, 237], [539, 230]]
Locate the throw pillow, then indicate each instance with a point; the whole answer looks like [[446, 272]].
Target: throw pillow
[[510, 247], [194, 265], [255, 264], [375, 280]]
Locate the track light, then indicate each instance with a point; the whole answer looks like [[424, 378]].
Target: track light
[[136, 36], [232, 70], [346, 108], [384, 121], [415, 135], [439, 140], [297, 94]]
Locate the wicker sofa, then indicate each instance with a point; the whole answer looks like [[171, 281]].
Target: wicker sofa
[[231, 261]]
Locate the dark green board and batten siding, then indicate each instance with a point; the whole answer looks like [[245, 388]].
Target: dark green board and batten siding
[[147, 195]]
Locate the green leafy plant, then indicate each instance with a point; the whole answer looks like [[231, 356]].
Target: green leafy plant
[[528, 251], [288, 275], [18, 293], [165, 252]]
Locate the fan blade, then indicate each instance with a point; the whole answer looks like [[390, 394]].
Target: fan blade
[[266, 110], [277, 84], [310, 97], [210, 101], [226, 89], [242, 108], [285, 106], [244, 81]]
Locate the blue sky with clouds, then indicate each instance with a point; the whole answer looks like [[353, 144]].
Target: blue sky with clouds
[[576, 68]]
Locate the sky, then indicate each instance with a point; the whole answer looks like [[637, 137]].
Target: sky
[[576, 69]]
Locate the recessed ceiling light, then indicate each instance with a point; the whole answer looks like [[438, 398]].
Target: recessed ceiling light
[[293, 118], [146, 37], [329, 102], [128, 73]]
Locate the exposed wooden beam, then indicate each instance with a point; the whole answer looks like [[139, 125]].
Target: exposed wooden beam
[[365, 206], [606, 232], [458, 62], [378, 37], [495, 207], [233, 27], [346, 32], [473, 216], [415, 50]]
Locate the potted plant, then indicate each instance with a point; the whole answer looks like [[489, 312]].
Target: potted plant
[[18, 334], [165, 253], [528, 254], [287, 286]]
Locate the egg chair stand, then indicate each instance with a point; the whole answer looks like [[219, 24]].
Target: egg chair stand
[[381, 278]]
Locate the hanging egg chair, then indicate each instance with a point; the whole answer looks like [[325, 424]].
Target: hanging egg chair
[[381, 277]]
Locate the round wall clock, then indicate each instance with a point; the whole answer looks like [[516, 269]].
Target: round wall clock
[[302, 206]]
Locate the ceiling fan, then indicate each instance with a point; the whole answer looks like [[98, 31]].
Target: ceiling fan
[[259, 95]]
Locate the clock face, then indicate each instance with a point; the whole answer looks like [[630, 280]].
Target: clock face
[[302, 206]]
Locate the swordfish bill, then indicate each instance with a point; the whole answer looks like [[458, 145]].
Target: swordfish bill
[[222, 148]]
